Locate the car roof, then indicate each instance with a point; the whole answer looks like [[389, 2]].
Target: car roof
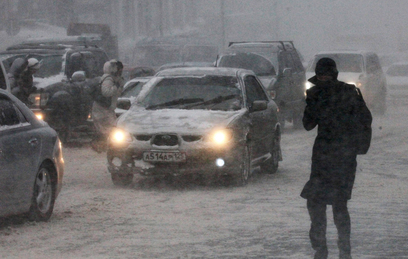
[[327, 52], [191, 71]]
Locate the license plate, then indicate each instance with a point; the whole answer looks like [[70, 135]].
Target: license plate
[[164, 157]]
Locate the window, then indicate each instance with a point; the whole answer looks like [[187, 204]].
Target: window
[[254, 90], [9, 114]]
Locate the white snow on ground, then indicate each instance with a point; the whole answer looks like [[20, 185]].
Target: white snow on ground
[[265, 219]]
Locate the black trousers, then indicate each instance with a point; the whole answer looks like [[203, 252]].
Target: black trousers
[[341, 217]]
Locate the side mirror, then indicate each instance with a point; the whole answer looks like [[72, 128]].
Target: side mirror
[[287, 72], [259, 105]]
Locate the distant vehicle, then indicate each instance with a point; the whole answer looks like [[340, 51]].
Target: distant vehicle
[[156, 52], [131, 90], [31, 160], [213, 122], [361, 68], [279, 67], [397, 81], [130, 72], [57, 95]]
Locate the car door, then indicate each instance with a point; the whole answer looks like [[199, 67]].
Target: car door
[[261, 121], [19, 155]]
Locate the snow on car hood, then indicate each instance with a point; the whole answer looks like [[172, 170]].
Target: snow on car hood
[[170, 120]]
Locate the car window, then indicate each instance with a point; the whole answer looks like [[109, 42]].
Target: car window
[[133, 89], [373, 64], [288, 61], [50, 66], [297, 63], [398, 70], [10, 115], [3, 84], [254, 90]]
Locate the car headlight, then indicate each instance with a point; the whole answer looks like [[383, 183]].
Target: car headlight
[[38, 99], [119, 137], [221, 137]]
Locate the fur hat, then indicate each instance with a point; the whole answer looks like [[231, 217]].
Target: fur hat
[[326, 67]]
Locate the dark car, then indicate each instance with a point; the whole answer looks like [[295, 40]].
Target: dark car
[[31, 162], [197, 121], [59, 99], [279, 67]]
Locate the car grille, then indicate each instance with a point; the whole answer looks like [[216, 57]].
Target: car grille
[[191, 138], [165, 140], [143, 137]]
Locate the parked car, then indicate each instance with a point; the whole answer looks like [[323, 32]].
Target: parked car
[[397, 81], [31, 160], [279, 67], [198, 121], [361, 68], [57, 91], [131, 90]]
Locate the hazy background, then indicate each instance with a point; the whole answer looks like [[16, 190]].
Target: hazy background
[[313, 25]]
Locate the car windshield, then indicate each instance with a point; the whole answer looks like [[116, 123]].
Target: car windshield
[[260, 65], [398, 70], [206, 92], [51, 65], [352, 63]]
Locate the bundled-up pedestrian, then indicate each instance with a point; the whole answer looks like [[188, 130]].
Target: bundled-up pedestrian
[[337, 109], [103, 108]]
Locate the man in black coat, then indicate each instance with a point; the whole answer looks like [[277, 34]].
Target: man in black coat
[[331, 105]]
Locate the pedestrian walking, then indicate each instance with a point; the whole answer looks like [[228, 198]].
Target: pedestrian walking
[[340, 113], [103, 108]]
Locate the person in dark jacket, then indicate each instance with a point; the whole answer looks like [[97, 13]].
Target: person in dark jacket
[[21, 77], [331, 105]]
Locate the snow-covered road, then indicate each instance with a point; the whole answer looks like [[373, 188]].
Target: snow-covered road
[[265, 219]]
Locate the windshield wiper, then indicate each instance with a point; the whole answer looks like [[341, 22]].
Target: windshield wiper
[[216, 100], [176, 102]]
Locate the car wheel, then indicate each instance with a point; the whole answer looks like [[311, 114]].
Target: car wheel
[[244, 168], [43, 199], [122, 179], [271, 165]]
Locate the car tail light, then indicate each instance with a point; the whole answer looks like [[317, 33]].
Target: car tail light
[[272, 94]]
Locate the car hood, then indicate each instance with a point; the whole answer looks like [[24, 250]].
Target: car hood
[[140, 120]]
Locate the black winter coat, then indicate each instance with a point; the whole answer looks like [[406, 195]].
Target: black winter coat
[[330, 105]]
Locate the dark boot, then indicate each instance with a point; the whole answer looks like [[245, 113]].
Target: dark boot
[[321, 253], [344, 255]]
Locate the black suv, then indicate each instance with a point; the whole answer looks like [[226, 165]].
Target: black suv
[[279, 67], [62, 99]]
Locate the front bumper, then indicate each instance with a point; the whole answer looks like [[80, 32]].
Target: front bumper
[[199, 160]]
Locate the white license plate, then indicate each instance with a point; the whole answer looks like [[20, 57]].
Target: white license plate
[[164, 156]]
